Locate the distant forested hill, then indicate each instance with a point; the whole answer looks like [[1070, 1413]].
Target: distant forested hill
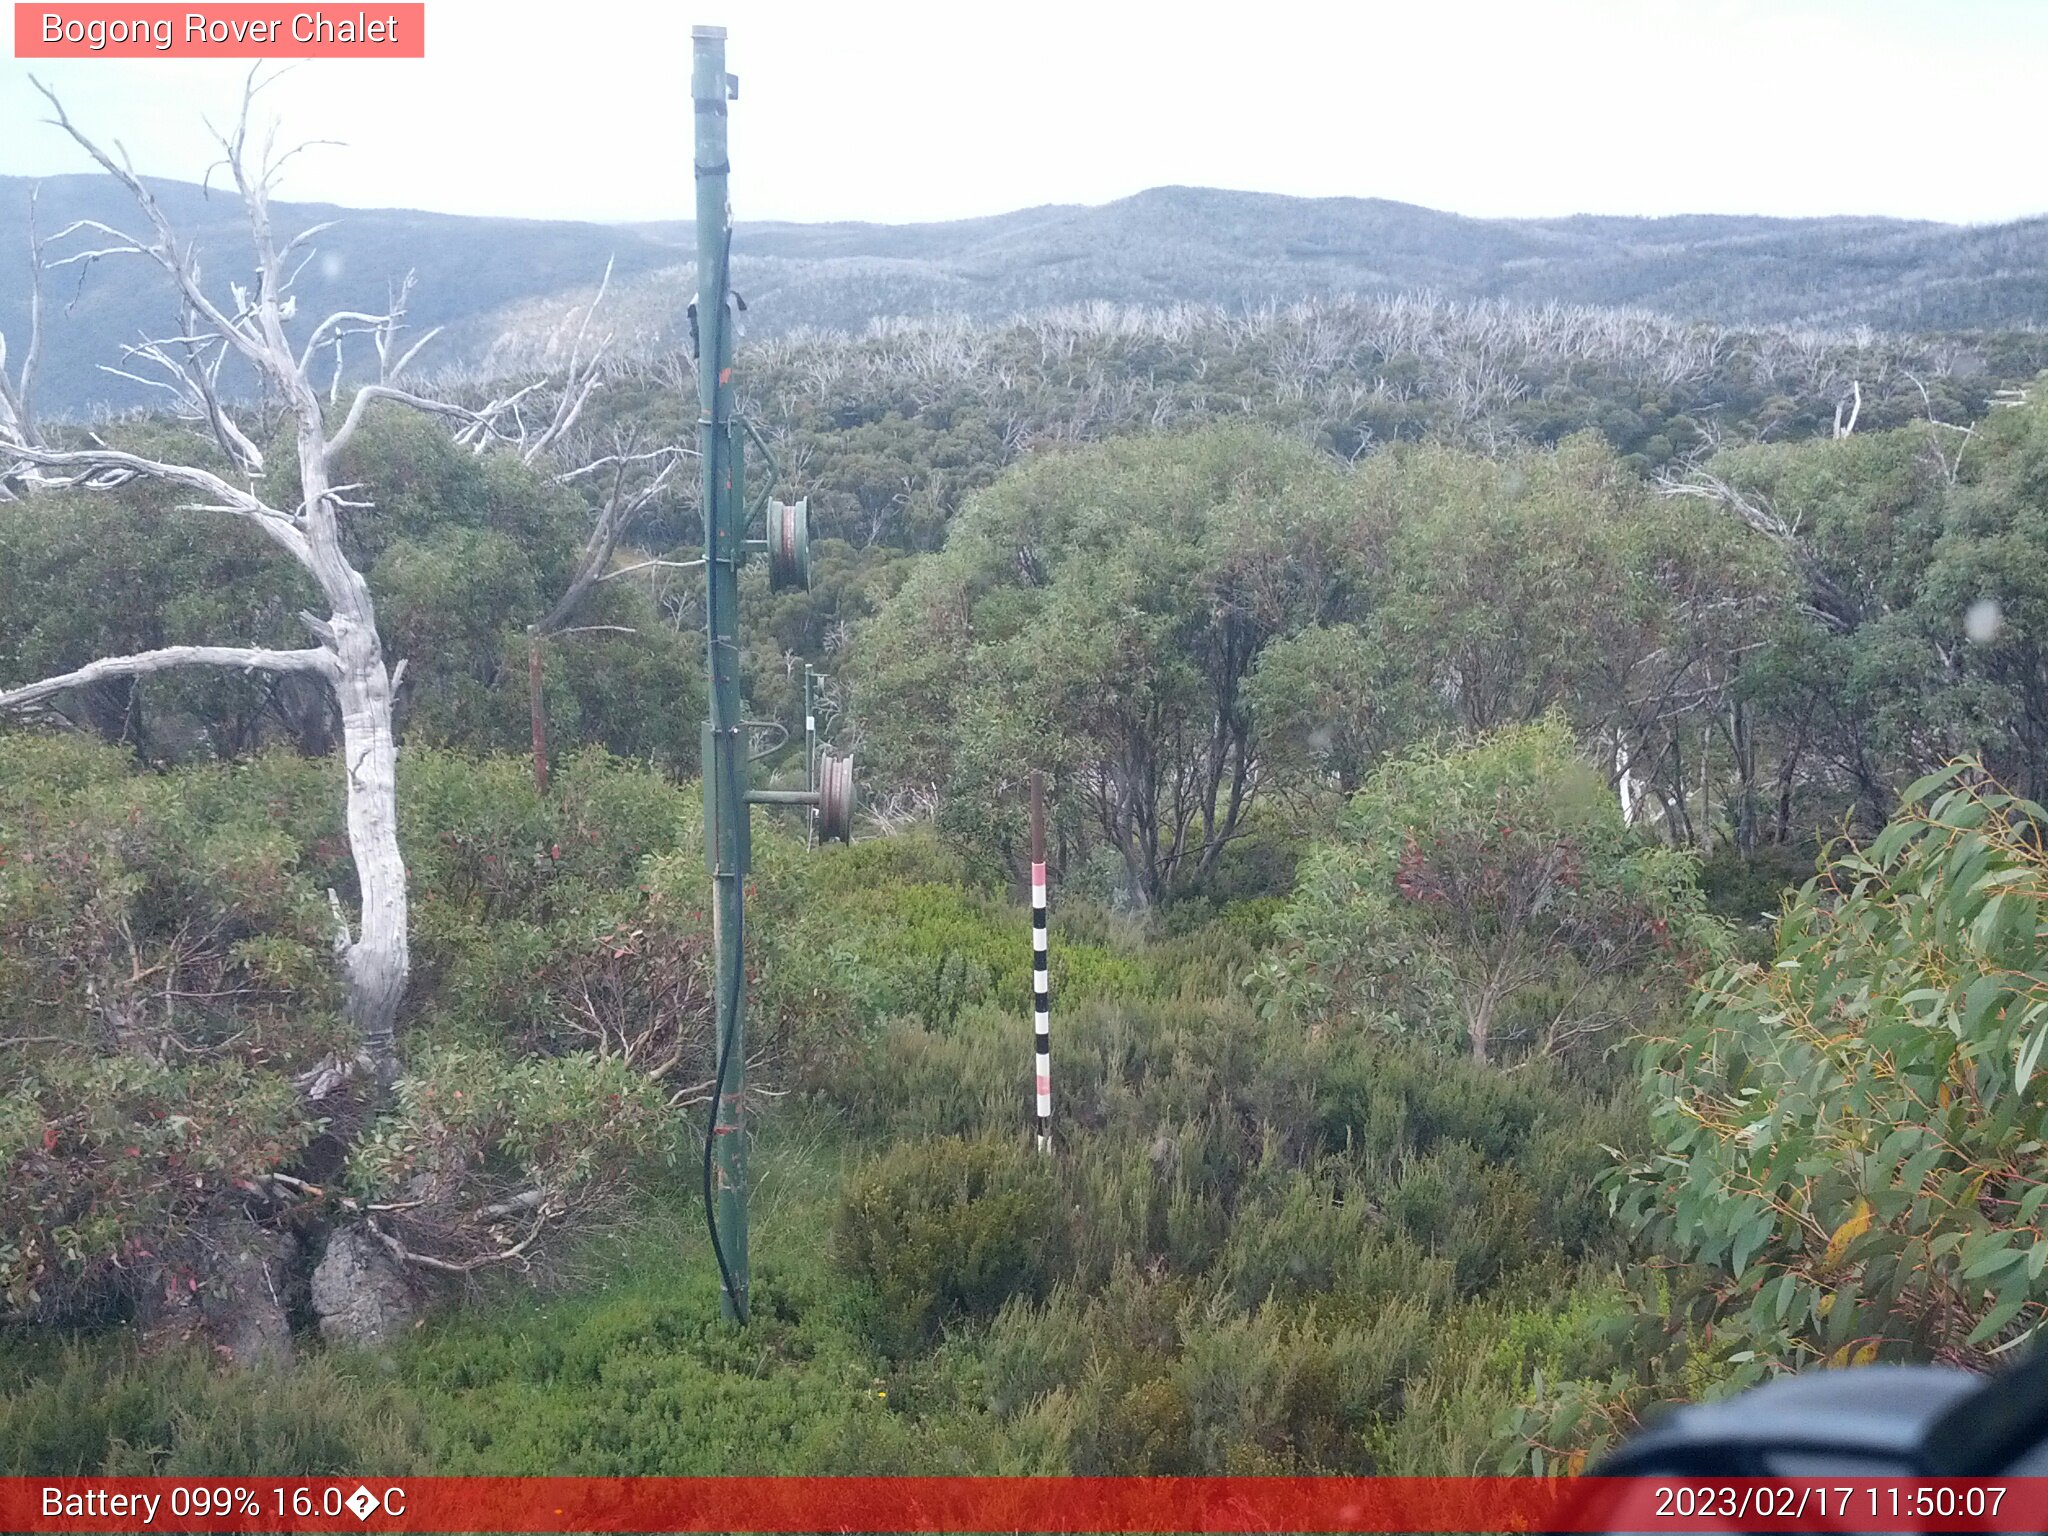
[[466, 268], [487, 279], [1197, 244]]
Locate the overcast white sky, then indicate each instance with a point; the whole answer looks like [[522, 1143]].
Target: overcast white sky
[[899, 110]]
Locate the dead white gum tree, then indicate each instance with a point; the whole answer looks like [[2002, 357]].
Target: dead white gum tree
[[250, 325]]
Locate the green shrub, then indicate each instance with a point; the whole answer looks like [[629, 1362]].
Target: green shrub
[[480, 840], [1468, 882], [1257, 1248], [165, 952], [166, 967], [1158, 1376], [106, 1409], [878, 930], [567, 1136], [948, 1229], [1749, 892], [1303, 1241]]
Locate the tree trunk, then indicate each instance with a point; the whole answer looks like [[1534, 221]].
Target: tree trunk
[[379, 958], [536, 704], [1706, 827], [1479, 1023], [1681, 829], [1743, 746], [377, 962], [1624, 781], [1788, 770]]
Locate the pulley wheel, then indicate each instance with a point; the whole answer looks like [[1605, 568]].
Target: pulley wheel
[[835, 797], [789, 545]]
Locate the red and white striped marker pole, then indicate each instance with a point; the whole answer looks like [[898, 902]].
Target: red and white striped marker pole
[[1041, 979]]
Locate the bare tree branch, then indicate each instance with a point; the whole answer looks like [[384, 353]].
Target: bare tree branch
[[652, 565], [103, 469], [580, 379], [347, 321], [182, 265], [193, 378], [1830, 604], [373, 392], [318, 661], [516, 1253], [1951, 463], [622, 505], [17, 398]]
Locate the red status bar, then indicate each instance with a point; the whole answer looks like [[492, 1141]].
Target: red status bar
[[1052, 1504]]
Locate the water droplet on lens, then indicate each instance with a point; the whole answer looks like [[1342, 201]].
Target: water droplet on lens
[[1984, 620]]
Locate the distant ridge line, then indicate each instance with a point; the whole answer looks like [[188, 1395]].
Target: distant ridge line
[[482, 277]]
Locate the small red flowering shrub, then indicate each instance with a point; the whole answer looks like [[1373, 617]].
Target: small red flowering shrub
[[1490, 894]]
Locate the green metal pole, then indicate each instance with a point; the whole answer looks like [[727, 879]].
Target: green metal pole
[[725, 767]]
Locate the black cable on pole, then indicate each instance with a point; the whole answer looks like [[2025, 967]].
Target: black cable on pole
[[715, 333], [739, 1301]]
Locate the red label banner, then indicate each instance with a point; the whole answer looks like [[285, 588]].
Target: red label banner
[[992, 1504], [233, 31]]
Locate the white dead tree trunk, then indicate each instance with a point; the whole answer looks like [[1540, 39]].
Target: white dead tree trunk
[[1625, 780], [1848, 409], [17, 394], [349, 654]]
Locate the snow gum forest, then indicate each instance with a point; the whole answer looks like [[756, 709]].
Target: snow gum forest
[[1547, 891]]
